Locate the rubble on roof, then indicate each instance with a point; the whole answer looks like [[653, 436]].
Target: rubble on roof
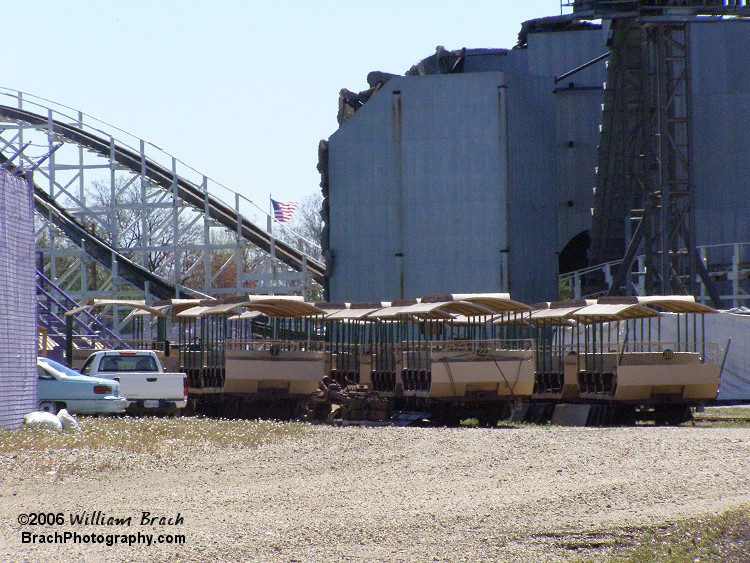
[[350, 102], [452, 62], [549, 25], [461, 60]]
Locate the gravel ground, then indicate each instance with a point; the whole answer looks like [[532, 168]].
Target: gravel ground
[[388, 494]]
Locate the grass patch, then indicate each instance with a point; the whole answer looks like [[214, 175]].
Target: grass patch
[[738, 411], [144, 435], [724, 538], [469, 423], [107, 443], [719, 423], [724, 417]]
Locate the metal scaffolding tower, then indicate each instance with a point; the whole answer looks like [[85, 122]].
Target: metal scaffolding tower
[[644, 196]]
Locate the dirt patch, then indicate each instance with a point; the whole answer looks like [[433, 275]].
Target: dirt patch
[[385, 494]]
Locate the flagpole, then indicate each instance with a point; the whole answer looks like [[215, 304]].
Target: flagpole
[[270, 212], [272, 263]]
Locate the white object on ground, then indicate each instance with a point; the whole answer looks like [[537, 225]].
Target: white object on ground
[[67, 420], [43, 420]]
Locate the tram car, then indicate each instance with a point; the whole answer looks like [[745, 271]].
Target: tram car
[[260, 356], [440, 353], [624, 358], [450, 357], [555, 359], [630, 363]]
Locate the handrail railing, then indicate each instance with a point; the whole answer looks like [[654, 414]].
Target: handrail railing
[[728, 261], [274, 346]]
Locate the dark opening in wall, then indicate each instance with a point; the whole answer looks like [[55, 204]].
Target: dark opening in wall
[[575, 255]]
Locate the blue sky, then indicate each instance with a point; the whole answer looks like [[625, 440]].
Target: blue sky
[[242, 91]]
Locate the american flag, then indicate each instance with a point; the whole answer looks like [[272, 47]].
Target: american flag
[[283, 211]]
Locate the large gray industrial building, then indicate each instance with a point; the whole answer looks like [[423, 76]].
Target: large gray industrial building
[[474, 172], [720, 85]]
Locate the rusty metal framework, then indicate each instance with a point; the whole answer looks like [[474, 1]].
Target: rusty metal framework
[[669, 195], [670, 253], [644, 200]]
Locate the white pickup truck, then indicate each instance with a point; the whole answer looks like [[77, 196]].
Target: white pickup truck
[[143, 381]]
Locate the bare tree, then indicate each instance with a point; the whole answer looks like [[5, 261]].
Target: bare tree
[[306, 227], [130, 222], [224, 261]]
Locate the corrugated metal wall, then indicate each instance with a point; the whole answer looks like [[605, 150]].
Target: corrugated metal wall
[[417, 190], [532, 208], [720, 83], [423, 198], [577, 114], [428, 180]]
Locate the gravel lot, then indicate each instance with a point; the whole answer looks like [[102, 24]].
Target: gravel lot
[[385, 494]]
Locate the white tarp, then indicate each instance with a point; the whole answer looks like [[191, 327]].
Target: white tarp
[[17, 302], [735, 378]]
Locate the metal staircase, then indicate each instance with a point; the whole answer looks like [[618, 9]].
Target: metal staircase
[[52, 304]]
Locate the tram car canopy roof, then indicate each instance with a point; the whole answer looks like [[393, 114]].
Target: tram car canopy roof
[[445, 310], [603, 312], [558, 312], [393, 312], [246, 315], [449, 306], [193, 312], [270, 306], [676, 304], [143, 312], [498, 302], [625, 308], [134, 303], [356, 311]]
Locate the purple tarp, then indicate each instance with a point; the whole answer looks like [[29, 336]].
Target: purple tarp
[[17, 301]]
